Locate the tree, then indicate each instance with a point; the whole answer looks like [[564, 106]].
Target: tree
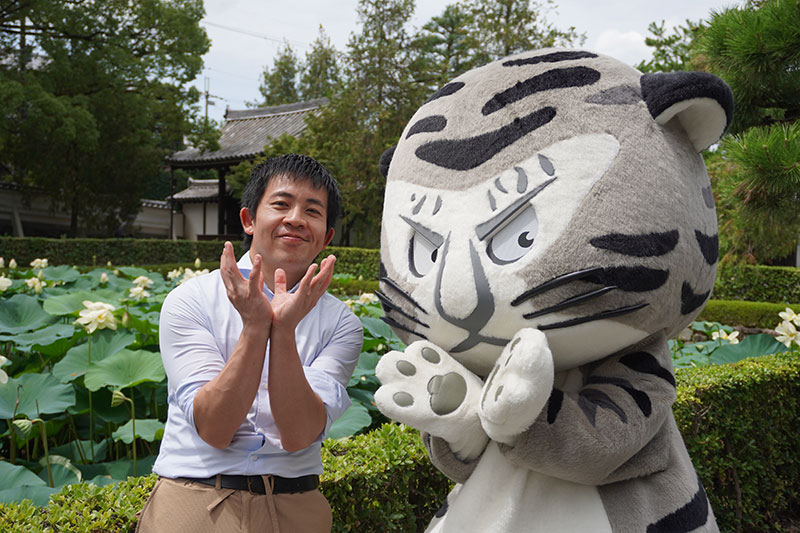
[[756, 50], [97, 98], [445, 46], [320, 73], [671, 52], [279, 83], [505, 27]]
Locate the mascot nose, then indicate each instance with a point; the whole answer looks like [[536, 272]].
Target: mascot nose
[[462, 293]]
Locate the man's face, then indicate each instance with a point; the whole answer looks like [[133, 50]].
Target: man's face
[[290, 226]]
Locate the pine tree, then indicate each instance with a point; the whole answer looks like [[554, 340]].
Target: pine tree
[[320, 72], [279, 83]]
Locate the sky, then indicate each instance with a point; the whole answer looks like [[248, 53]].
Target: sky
[[247, 34]]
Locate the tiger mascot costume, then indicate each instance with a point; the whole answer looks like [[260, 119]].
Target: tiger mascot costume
[[548, 225]]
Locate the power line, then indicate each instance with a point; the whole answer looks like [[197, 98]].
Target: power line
[[253, 34]]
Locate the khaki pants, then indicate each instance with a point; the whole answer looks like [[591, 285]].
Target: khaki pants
[[181, 506]]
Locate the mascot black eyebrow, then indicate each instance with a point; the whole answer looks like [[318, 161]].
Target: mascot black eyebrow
[[548, 225]]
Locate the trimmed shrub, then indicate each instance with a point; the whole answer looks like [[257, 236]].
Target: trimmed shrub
[[97, 252], [742, 313], [757, 283], [739, 422]]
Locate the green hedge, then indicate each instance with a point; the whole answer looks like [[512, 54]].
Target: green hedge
[[758, 283], [91, 252], [740, 423], [742, 313]]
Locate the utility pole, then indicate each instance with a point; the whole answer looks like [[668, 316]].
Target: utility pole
[[208, 96]]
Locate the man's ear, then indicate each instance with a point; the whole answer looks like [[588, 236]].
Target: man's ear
[[247, 220], [328, 237]]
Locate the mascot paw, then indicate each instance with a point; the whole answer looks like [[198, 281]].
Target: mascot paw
[[425, 388], [518, 386]]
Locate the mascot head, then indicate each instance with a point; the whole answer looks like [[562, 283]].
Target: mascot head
[[557, 189]]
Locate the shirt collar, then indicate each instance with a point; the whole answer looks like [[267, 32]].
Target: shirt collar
[[245, 265]]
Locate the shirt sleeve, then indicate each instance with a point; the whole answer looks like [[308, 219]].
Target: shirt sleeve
[[190, 354], [330, 372]]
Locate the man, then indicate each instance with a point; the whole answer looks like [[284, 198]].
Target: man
[[256, 374]]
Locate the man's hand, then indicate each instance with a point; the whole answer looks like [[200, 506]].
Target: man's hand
[[288, 309], [247, 296]]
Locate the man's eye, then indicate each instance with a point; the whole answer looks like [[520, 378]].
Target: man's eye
[[422, 255], [514, 239]]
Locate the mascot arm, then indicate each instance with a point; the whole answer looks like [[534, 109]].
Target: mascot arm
[[587, 435], [443, 458]]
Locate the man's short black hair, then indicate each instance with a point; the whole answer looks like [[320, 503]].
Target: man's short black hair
[[296, 167]]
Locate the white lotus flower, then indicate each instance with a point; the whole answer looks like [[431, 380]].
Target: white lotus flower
[[2, 263], [349, 303], [197, 262], [39, 263], [143, 281], [103, 277], [3, 375], [12, 264], [790, 316], [4, 283], [35, 284], [138, 293], [188, 274], [367, 298], [787, 333], [732, 338], [174, 274], [97, 315]]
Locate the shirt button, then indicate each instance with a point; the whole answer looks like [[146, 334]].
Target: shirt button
[[266, 386], [254, 458]]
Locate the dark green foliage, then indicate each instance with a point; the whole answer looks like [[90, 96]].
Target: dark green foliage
[[670, 52], [354, 287], [740, 425], [90, 252], [739, 422], [743, 313], [360, 262], [757, 283], [382, 481]]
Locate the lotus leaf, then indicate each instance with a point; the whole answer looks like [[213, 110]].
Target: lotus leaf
[[42, 389], [22, 313], [355, 418], [147, 429], [125, 368], [104, 343]]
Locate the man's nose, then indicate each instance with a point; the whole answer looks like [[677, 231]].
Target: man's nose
[[295, 216]]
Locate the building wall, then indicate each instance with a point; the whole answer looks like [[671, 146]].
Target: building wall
[[193, 220]]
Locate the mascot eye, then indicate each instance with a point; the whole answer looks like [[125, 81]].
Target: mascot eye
[[422, 254], [514, 239]]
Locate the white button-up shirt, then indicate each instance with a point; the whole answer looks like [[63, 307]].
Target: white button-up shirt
[[198, 330]]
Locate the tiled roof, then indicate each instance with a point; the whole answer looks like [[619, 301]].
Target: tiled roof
[[245, 133], [199, 191]]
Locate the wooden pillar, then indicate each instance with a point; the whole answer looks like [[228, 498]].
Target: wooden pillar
[[171, 202], [221, 230]]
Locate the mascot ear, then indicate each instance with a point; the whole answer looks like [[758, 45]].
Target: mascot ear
[[702, 102], [386, 160]]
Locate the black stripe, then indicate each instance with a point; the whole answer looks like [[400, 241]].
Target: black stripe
[[690, 300], [466, 154], [389, 306], [446, 90], [630, 279], [391, 283], [590, 399], [708, 197], [554, 405], [397, 325], [427, 125], [641, 398], [549, 58], [688, 518], [611, 313], [557, 78], [644, 245], [647, 364], [569, 302], [553, 283], [709, 246], [442, 510]]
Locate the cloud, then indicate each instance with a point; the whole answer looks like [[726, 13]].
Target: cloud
[[627, 46]]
